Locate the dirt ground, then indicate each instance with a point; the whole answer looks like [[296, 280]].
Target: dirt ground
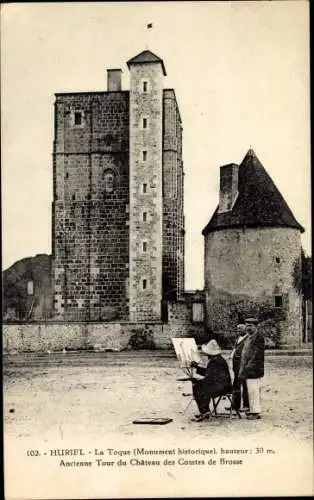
[[96, 394], [89, 400]]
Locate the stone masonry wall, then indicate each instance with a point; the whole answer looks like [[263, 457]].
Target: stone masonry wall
[[173, 199], [235, 289], [145, 192], [90, 207], [180, 312], [55, 337]]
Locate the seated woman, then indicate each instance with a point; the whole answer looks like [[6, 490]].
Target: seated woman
[[212, 381]]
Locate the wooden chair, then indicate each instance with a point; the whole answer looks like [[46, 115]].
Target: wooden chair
[[218, 399]]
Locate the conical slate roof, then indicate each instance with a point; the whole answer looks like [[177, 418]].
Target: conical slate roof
[[259, 203], [147, 57]]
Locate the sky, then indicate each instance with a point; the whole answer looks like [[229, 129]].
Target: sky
[[240, 71]]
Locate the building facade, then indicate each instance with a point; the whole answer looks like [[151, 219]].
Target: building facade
[[253, 257], [117, 211]]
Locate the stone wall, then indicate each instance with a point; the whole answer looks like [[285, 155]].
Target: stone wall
[[54, 337], [173, 199], [90, 207], [254, 272], [180, 321], [180, 312]]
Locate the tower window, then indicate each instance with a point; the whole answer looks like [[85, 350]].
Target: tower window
[[30, 287], [108, 139], [144, 155], [145, 86], [278, 301], [78, 118], [144, 216], [144, 284], [144, 246], [144, 187], [144, 122], [109, 180]]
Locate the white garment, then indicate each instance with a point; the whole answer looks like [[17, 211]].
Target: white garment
[[241, 337], [254, 392]]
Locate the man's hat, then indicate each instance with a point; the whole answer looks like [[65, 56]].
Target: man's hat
[[211, 348], [251, 321]]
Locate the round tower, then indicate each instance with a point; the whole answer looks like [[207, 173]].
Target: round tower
[[253, 257]]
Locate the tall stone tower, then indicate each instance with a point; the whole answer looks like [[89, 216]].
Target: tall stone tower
[[117, 211], [173, 200], [91, 196], [146, 102]]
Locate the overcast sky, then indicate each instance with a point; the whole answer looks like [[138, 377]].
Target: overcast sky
[[241, 75]]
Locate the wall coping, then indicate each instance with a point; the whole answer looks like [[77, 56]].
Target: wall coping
[[85, 323]]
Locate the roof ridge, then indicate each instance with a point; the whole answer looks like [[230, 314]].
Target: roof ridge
[[146, 57]]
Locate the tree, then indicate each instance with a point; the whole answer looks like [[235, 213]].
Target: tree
[[306, 275]]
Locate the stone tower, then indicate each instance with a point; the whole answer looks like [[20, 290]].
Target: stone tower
[[173, 200], [91, 196], [253, 256], [146, 111], [117, 211]]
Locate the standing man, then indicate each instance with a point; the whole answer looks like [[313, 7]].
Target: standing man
[[239, 388], [252, 367]]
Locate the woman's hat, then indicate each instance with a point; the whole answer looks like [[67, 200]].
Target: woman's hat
[[211, 348]]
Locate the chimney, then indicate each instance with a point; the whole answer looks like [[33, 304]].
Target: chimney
[[229, 176], [113, 79]]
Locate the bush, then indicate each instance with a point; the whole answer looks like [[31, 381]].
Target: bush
[[142, 339]]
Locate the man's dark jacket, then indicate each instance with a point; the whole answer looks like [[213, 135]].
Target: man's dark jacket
[[252, 357], [217, 378], [236, 359]]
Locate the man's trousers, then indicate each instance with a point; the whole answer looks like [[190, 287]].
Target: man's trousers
[[239, 387], [254, 392]]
